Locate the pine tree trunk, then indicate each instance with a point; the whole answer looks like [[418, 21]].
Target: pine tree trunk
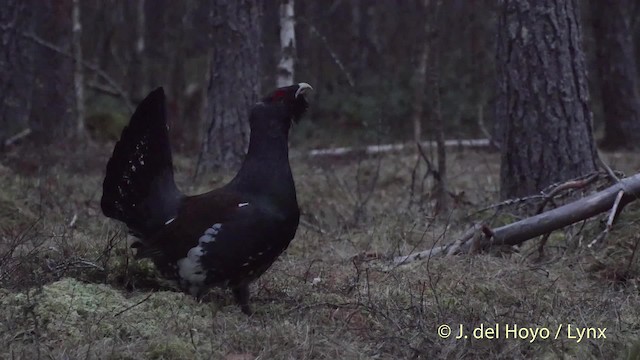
[[543, 99], [234, 81], [287, 44], [616, 63]]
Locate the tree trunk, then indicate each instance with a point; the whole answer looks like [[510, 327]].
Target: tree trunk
[[543, 99], [53, 110], [441, 190], [138, 66], [287, 44], [16, 76], [420, 80], [78, 74], [181, 127], [616, 64], [234, 80]]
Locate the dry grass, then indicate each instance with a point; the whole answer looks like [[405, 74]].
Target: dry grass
[[68, 289]]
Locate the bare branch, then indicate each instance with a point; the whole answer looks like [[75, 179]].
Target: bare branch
[[89, 66], [17, 137], [612, 216], [334, 56]]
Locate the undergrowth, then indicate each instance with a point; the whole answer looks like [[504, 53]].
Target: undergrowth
[[70, 289]]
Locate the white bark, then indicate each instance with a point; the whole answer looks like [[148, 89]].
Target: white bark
[[78, 76], [140, 47], [287, 44]]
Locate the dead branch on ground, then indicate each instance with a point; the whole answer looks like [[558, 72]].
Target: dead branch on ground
[[613, 198], [386, 148]]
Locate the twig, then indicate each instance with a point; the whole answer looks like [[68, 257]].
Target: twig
[[606, 168], [612, 216], [401, 260], [510, 202], [313, 227], [344, 70], [543, 242], [89, 66], [73, 220], [571, 184], [19, 136], [484, 130], [134, 305]]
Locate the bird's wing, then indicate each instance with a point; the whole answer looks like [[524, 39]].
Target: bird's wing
[[139, 188], [228, 237]]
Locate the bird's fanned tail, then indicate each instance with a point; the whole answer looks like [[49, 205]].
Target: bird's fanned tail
[[139, 188]]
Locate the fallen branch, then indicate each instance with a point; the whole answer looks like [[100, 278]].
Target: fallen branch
[[613, 198], [376, 149], [17, 137]]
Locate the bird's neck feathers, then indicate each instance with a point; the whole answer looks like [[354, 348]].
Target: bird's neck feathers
[[265, 169]]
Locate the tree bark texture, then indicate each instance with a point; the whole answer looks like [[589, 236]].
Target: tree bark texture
[[616, 64], [234, 80], [543, 99], [286, 67]]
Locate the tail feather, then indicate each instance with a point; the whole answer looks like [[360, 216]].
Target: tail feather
[[138, 187]]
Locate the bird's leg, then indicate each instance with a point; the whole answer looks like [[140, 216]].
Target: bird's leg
[[241, 294]]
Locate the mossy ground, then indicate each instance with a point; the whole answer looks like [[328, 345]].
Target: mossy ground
[[70, 290]]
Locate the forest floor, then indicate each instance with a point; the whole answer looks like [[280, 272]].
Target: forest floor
[[69, 289]]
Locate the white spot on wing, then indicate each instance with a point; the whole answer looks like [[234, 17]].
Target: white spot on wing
[[169, 221], [243, 204]]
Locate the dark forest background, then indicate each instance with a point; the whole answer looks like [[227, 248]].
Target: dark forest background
[[360, 56]]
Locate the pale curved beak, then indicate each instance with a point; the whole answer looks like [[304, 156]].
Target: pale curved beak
[[302, 88]]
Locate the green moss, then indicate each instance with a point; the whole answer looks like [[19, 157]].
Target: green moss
[[170, 350]]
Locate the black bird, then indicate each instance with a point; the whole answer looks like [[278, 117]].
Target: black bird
[[227, 237]]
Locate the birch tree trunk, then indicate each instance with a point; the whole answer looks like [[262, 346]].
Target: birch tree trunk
[[286, 66], [419, 90], [78, 75], [138, 87]]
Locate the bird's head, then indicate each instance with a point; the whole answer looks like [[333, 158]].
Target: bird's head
[[291, 97]]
